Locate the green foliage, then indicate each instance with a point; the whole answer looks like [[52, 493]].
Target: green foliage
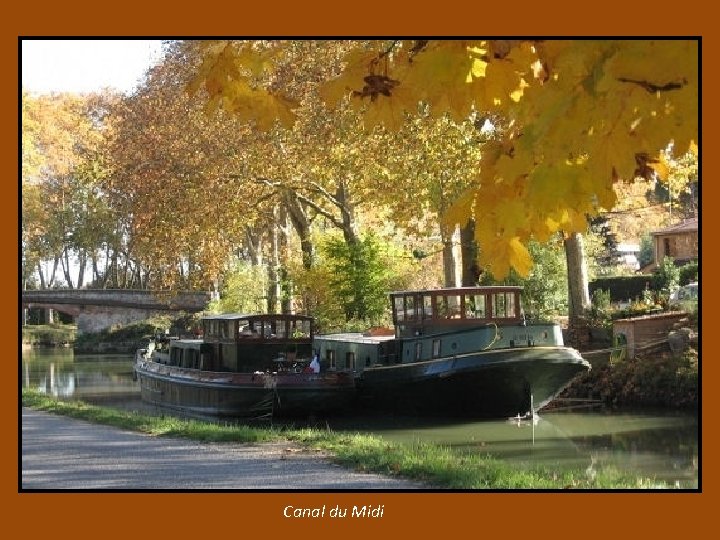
[[688, 273], [601, 300], [137, 331], [647, 250], [666, 277], [347, 288], [48, 334], [545, 291], [243, 291], [359, 276], [601, 305]]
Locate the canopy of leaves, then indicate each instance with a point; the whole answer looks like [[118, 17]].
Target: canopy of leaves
[[576, 116]]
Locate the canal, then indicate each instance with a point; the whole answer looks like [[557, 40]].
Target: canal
[[649, 444]]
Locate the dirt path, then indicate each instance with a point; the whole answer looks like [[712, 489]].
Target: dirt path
[[64, 453]]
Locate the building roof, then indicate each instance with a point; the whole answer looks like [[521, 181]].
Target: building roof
[[688, 225]]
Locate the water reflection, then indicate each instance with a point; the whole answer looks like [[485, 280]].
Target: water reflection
[[661, 445], [59, 373]]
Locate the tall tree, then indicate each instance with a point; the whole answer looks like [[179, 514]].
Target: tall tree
[[64, 213]]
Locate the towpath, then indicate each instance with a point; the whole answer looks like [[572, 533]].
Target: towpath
[[64, 453]]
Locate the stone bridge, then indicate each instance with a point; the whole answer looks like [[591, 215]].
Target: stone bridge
[[95, 310]]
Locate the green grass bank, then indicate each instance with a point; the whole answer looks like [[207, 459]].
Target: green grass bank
[[438, 466]]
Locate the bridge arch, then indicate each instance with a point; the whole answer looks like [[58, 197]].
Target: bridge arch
[[97, 309]]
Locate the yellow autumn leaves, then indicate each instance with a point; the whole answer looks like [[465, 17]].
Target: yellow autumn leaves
[[231, 76], [577, 116]]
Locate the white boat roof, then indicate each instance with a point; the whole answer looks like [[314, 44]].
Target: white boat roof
[[236, 316], [356, 337], [462, 290]]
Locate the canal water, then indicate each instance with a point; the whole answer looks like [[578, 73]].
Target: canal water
[[650, 444]]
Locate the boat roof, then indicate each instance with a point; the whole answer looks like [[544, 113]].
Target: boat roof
[[237, 316], [461, 290], [355, 337]]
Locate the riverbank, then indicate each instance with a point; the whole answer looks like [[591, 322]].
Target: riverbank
[[48, 335], [428, 464], [662, 379]]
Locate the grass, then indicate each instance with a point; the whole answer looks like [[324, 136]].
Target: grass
[[437, 466]]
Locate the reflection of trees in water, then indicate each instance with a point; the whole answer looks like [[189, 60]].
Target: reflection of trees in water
[[667, 453], [58, 385], [67, 378], [663, 441]]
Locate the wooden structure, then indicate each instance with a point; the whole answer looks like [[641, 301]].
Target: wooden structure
[[646, 331], [679, 241]]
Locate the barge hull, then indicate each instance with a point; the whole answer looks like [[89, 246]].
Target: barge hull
[[491, 384]]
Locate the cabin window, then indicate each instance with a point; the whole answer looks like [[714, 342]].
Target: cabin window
[[441, 306], [475, 306], [367, 361], [449, 306], [436, 348], [279, 330], [504, 305], [299, 328], [244, 329], [400, 308], [454, 304], [427, 306], [330, 357], [499, 308], [410, 307], [418, 350], [350, 360], [211, 328], [175, 357], [510, 305], [224, 329]]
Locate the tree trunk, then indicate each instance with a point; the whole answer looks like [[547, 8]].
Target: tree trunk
[[347, 211], [301, 223], [578, 290], [82, 262], [253, 240], [65, 260], [41, 276], [274, 268], [451, 257], [470, 268]]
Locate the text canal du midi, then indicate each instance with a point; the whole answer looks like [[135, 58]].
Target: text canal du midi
[[326, 511]]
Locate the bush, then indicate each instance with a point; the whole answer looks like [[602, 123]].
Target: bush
[[135, 333], [48, 334], [660, 380], [622, 288], [688, 273], [666, 277]]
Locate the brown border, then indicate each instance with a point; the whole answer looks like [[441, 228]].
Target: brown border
[[231, 515]]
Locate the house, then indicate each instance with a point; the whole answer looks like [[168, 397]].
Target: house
[[628, 255], [679, 241]]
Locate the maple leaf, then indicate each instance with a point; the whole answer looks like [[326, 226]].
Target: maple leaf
[[359, 64]]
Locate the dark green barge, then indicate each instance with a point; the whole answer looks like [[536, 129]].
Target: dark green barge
[[245, 366], [457, 351]]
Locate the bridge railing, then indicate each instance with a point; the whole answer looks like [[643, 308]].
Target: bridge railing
[[184, 300]]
